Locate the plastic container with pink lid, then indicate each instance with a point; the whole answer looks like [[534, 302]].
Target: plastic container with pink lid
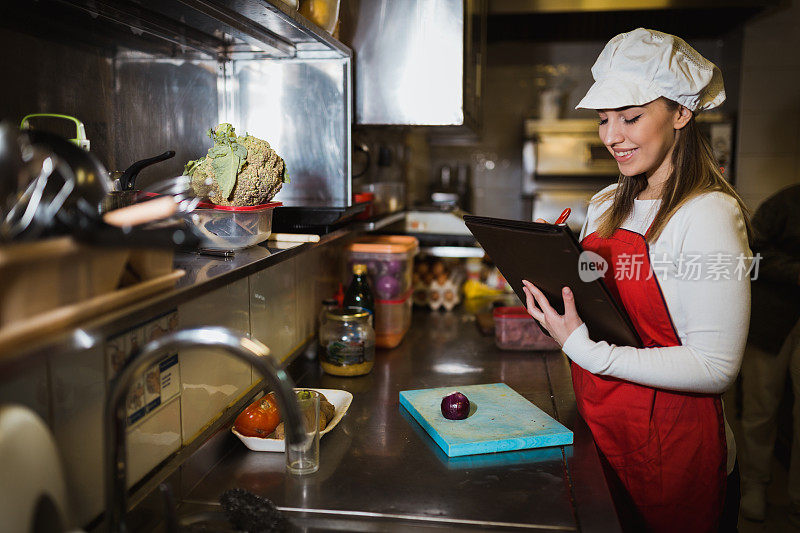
[[389, 260], [515, 329], [233, 228]]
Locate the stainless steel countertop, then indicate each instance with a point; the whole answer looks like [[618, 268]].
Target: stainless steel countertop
[[379, 460]]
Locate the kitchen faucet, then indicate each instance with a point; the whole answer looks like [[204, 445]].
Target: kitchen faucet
[[115, 416]]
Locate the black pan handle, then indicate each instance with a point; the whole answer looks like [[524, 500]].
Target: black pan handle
[[128, 178]]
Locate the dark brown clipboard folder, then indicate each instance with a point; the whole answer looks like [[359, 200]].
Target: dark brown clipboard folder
[[547, 255]]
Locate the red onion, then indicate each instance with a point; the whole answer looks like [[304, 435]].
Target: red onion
[[387, 287], [455, 406]]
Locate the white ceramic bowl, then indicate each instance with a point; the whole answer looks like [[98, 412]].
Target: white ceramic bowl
[[341, 400]]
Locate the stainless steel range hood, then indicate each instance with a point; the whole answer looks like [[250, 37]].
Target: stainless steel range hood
[[417, 62]]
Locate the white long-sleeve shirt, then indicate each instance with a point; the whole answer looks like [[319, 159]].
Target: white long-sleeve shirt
[[710, 308]]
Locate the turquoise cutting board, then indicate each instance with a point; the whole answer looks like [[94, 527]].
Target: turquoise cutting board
[[500, 420]]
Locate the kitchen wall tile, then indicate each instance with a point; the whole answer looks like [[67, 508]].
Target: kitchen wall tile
[[768, 133], [210, 379], [153, 440], [273, 308], [79, 387]]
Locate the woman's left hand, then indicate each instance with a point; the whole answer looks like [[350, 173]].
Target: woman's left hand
[[560, 327]]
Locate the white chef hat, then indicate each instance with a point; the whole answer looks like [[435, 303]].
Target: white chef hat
[[642, 65]]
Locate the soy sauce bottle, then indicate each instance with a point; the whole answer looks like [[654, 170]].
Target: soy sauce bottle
[[358, 293]]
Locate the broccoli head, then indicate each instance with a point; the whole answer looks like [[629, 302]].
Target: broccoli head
[[238, 170]]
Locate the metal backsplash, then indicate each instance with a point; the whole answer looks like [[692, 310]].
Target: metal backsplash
[[139, 96], [163, 105], [302, 108], [134, 104]]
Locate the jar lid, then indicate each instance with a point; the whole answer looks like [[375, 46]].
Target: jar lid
[[344, 314]]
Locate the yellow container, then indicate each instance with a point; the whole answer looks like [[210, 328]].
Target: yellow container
[[323, 13]]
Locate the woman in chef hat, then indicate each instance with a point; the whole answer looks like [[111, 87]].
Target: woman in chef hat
[[675, 236]]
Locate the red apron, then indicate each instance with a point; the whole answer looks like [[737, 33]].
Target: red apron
[[666, 448]]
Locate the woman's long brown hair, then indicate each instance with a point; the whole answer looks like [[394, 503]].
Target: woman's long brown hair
[[694, 171]]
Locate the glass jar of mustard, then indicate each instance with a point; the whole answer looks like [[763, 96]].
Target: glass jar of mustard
[[347, 342]]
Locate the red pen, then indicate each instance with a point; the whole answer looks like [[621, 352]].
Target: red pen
[[563, 216]]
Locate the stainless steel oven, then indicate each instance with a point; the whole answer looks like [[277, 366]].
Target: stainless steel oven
[[564, 163], [565, 149]]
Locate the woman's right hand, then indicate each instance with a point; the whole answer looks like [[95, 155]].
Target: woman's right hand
[[560, 327], [541, 220]]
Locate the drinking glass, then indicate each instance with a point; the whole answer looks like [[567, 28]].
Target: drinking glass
[[303, 458]]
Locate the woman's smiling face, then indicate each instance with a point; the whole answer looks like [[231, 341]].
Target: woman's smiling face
[[641, 137]]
